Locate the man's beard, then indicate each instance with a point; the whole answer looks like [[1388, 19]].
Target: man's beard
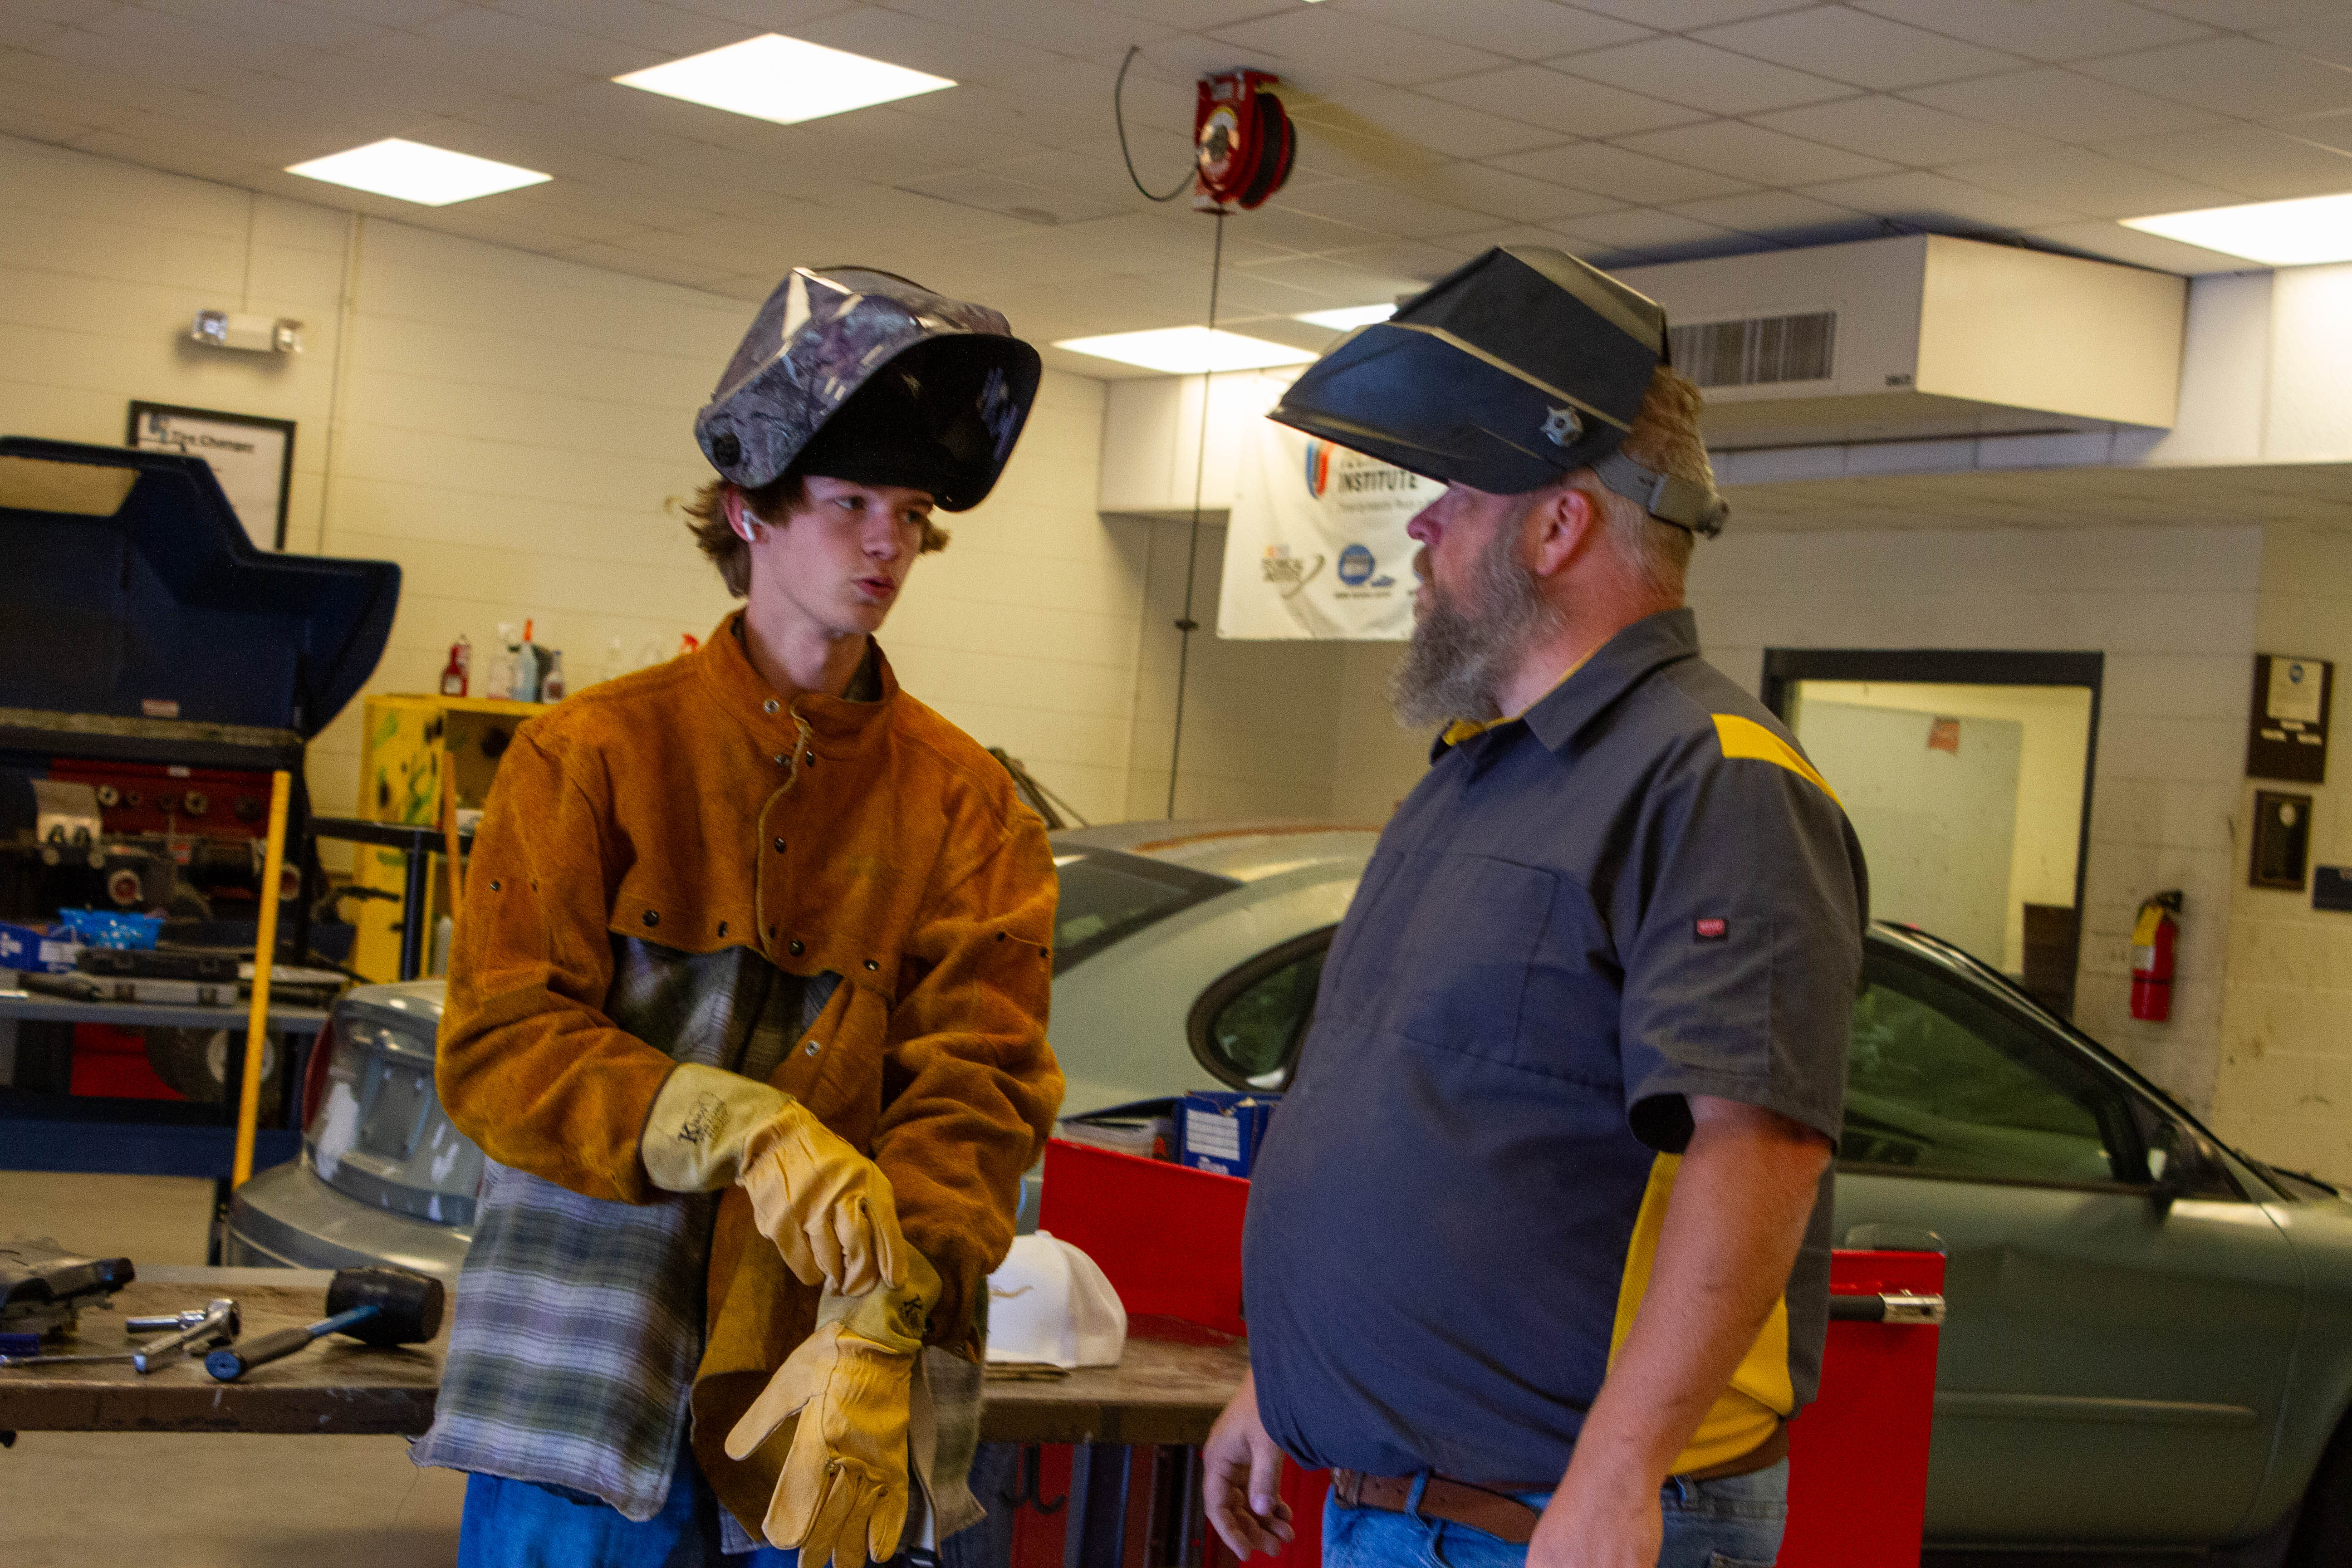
[[1461, 654]]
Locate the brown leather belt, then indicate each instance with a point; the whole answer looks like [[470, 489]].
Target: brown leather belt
[[1494, 1510]]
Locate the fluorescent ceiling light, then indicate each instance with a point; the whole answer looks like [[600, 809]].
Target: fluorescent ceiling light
[[1188, 350], [1350, 319], [784, 79], [431, 176], [2298, 232]]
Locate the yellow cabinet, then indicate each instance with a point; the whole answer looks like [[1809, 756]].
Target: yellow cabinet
[[400, 780]]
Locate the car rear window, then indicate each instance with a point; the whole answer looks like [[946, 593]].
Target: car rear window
[[1108, 897]]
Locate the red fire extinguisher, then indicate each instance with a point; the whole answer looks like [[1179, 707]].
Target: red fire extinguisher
[[2152, 945]]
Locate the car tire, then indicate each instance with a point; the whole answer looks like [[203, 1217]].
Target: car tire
[[2323, 1533]]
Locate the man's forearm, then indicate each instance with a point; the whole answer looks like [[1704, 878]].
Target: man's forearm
[[1741, 1204]]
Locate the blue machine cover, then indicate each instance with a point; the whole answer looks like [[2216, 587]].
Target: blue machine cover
[[161, 606]]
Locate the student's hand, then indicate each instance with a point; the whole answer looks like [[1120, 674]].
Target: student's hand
[[1241, 1480]]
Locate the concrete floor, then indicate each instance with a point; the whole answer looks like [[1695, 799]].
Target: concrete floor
[[130, 1501]]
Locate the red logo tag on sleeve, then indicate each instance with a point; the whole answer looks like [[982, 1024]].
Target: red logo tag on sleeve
[[1711, 928]]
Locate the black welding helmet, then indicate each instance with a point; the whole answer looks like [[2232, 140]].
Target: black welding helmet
[[1505, 374], [861, 375]]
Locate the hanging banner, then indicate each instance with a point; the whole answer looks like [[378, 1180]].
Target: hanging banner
[[1315, 546]]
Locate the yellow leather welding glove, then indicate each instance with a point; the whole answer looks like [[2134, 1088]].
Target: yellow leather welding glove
[[842, 1493], [827, 1207]]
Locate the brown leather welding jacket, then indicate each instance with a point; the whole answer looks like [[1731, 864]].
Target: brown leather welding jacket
[[688, 806]]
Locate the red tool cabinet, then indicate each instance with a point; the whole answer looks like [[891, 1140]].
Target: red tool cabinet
[[1169, 1239]]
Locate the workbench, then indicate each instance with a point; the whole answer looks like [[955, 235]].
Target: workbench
[[1167, 1389]]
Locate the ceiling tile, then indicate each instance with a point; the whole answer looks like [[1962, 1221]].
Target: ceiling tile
[[1454, 129], [2113, 242], [1751, 152], [2048, 101], [1425, 261], [665, 28], [960, 54], [2247, 16], [1314, 40], [1782, 217], [499, 33], [1680, 16], [2042, 29], [1566, 104], [386, 12], [1500, 193], [766, 15], [1191, 16], [1057, 26], [1934, 202], [1662, 234], [1011, 198], [2257, 162], [2231, 76], [1303, 232], [2082, 180], [1854, 47], [1382, 211], [1613, 172], [1516, 29], [1343, 282], [2330, 40], [1682, 72], [1337, 144], [299, 25], [1902, 131]]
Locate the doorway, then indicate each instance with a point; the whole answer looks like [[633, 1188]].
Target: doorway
[[1967, 775]]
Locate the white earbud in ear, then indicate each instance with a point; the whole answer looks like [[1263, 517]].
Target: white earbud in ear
[[735, 517]]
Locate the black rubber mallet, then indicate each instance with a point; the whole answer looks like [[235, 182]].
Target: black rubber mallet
[[373, 1306]]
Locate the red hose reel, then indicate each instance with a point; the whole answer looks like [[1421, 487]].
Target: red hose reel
[[1241, 141]]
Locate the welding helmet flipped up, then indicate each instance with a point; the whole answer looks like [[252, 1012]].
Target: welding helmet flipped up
[[861, 375], [1511, 371]]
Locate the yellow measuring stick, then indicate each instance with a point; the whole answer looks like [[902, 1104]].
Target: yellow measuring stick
[[264, 956]]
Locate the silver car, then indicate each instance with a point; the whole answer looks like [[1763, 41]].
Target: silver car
[[2150, 1334]]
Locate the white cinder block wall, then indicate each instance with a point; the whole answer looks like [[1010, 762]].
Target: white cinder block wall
[[2173, 611], [2285, 1072], [510, 428]]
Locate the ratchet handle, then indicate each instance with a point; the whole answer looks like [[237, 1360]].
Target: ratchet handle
[[231, 1362]]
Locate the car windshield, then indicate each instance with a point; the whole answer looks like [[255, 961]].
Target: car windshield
[[1108, 896]]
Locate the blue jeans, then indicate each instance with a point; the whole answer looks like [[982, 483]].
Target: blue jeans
[[1734, 1523], [518, 1524]]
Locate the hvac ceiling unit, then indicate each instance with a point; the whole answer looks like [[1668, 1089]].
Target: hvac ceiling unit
[[1919, 337]]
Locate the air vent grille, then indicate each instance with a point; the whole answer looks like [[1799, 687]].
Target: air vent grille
[[1758, 352]]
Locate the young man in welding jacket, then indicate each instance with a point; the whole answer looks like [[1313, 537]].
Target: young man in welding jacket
[[748, 1009]]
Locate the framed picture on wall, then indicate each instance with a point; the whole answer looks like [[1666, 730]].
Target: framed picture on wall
[[251, 457]]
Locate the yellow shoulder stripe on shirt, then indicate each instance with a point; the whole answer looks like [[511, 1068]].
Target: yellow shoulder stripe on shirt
[[1746, 737]]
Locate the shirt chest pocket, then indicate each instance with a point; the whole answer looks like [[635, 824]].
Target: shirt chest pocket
[[1445, 955]]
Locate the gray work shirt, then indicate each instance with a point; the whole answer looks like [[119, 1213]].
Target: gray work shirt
[[1637, 892]]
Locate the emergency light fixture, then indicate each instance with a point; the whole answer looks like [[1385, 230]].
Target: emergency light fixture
[[1349, 318], [2303, 231], [412, 172], [784, 81], [1188, 350]]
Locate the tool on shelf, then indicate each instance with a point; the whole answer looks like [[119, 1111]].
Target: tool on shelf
[[375, 1306]]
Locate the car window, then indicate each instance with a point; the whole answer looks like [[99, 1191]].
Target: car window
[[1248, 1028], [1943, 1081], [1107, 896]]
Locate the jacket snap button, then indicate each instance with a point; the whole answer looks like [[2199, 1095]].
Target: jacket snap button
[[793, 947], [768, 706], [779, 759], [494, 887], [723, 928], [810, 1049], [653, 916], [780, 846], [871, 964], [809, 757]]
